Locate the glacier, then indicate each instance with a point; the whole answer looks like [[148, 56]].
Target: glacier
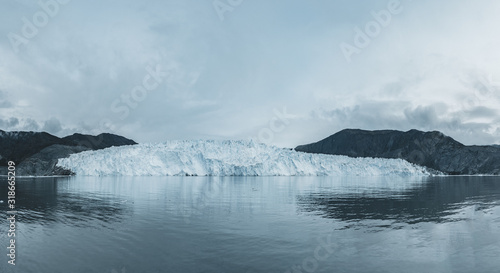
[[227, 158]]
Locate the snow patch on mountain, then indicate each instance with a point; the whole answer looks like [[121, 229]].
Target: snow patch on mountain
[[15, 135], [226, 158]]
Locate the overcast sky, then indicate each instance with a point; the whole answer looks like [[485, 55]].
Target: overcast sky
[[285, 72]]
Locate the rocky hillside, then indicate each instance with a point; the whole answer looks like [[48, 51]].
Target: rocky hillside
[[430, 149], [36, 153]]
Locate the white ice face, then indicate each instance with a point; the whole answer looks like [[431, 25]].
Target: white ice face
[[227, 158]]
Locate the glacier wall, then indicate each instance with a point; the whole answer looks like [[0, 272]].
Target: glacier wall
[[227, 158]]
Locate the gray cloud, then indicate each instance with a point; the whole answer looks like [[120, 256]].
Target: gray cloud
[[481, 112], [8, 123], [52, 126], [3, 102], [30, 125], [225, 78], [402, 116]]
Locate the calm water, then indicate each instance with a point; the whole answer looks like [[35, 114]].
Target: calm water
[[247, 224]]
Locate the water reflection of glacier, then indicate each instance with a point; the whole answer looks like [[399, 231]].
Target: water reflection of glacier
[[256, 224], [43, 201], [434, 199]]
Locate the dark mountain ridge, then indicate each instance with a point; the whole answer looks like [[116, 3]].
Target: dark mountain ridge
[[36, 153], [430, 149]]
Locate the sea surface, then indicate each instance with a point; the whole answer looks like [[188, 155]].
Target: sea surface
[[253, 224]]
